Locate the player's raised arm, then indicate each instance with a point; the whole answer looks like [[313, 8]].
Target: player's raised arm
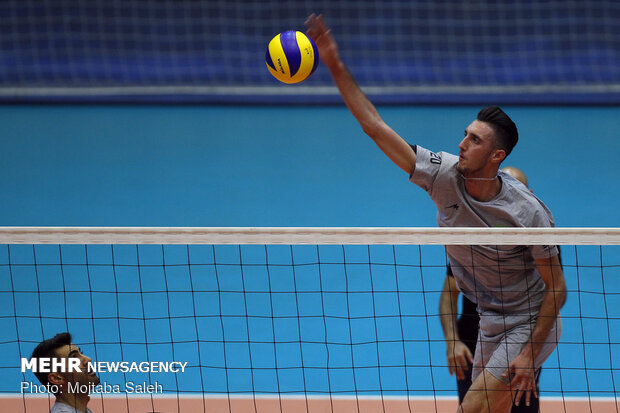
[[395, 147]]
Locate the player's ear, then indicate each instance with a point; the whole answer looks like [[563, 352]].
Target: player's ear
[[498, 155], [55, 378]]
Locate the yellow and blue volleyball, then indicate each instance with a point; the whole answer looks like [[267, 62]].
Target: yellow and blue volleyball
[[292, 57]]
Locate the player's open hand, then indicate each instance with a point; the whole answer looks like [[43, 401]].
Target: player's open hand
[[321, 34], [523, 375], [459, 359]]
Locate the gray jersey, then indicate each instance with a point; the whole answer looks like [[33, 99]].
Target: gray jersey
[[500, 278], [64, 408]]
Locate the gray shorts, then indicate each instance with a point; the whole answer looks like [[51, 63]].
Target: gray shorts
[[501, 338]]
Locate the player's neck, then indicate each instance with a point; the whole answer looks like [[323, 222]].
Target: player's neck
[[483, 189]]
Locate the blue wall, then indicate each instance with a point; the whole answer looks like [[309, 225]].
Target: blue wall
[[276, 166]]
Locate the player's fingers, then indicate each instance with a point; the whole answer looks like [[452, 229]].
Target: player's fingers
[[464, 363], [523, 387], [454, 367], [312, 24], [317, 33], [515, 386], [454, 364], [470, 357], [519, 396], [460, 374], [310, 20]]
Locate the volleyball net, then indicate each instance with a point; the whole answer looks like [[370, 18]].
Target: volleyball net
[[399, 51], [282, 319]]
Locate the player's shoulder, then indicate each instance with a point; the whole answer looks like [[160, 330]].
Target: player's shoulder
[[433, 169], [515, 187], [531, 210], [436, 158]]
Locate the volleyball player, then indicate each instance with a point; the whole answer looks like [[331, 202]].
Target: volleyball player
[[519, 290], [67, 401], [462, 334]]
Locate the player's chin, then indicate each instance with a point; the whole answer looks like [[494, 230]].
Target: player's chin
[[93, 378]]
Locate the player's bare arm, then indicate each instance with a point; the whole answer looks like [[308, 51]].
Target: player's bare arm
[[524, 381], [457, 353], [395, 147]]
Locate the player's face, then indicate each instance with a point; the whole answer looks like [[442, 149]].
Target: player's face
[[476, 148], [84, 376]]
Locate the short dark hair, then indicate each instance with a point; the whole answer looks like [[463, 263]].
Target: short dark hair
[[47, 349], [504, 128]]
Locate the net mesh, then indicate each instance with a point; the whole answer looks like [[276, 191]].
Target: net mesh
[[270, 327], [399, 50]]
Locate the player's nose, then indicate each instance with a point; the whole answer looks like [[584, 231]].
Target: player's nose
[[463, 144]]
